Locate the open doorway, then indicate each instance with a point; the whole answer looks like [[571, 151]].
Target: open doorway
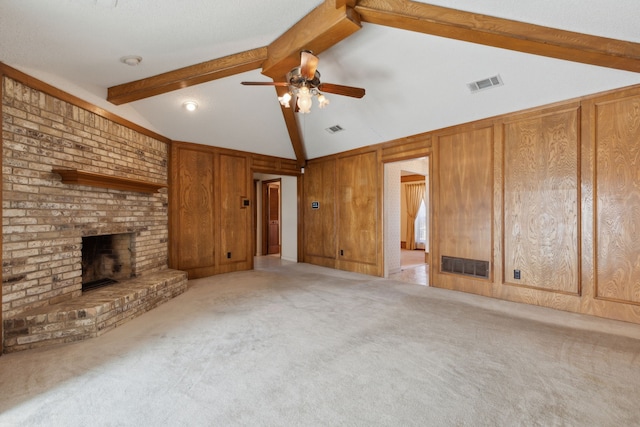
[[276, 216], [271, 217], [407, 222]]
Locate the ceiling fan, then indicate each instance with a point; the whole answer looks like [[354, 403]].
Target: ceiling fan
[[304, 83]]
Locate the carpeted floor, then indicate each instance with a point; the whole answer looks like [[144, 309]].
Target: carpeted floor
[[299, 345]]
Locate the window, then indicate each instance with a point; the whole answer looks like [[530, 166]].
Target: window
[[421, 225]]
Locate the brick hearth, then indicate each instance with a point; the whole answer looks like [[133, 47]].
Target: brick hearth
[[92, 314]]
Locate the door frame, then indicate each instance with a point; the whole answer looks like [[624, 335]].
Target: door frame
[[265, 215], [386, 203]]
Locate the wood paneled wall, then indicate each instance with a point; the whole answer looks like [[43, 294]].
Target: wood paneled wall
[[541, 201], [320, 231], [358, 208], [617, 202], [211, 207], [566, 193], [553, 193], [345, 230], [464, 185], [192, 213]]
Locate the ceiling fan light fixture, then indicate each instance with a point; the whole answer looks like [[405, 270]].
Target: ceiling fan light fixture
[[304, 83], [304, 100], [285, 100], [190, 105], [322, 101]]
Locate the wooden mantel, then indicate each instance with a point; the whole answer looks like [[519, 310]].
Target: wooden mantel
[[74, 176]]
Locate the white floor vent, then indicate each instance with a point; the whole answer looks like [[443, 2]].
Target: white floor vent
[[485, 84]]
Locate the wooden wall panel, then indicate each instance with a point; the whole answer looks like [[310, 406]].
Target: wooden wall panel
[[617, 200], [320, 224], [235, 219], [541, 193], [206, 212], [412, 147], [358, 208], [194, 213], [464, 195]]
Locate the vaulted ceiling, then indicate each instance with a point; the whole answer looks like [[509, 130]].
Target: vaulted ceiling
[[414, 59]]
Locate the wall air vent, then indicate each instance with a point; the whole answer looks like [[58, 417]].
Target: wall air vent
[[466, 267], [334, 129], [485, 84]]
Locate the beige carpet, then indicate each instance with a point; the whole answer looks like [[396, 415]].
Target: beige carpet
[[298, 345]]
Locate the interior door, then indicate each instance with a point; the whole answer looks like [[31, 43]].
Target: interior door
[[273, 220]]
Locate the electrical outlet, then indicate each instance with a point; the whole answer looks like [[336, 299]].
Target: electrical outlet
[[229, 255], [341, 252], [516, 274]]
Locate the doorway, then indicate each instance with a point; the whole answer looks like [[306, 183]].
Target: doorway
[[406, 248], [287, 216], [271, 213]]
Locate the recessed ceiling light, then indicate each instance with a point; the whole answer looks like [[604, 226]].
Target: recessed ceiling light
[[190, 105], [131, 60]]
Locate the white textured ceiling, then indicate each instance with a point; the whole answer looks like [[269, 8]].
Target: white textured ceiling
[[414, 82]]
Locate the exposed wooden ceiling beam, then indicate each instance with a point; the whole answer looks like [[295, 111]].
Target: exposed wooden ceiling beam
[[335, 20], [326, 25], [188, 76], [348, 3], [294, 131], [502, 33], [322, 28]]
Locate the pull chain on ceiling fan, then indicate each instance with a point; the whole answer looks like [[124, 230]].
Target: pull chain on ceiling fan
[[304, 83]]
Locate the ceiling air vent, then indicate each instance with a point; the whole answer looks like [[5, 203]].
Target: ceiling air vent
[[485, 84], [334, 129]]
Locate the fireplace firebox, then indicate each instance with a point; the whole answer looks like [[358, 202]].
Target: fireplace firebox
[[106, 259]]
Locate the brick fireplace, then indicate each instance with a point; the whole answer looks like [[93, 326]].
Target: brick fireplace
[[106, 259], [48, 222]]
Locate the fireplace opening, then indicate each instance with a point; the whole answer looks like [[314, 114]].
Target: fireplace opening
[[106, 259]]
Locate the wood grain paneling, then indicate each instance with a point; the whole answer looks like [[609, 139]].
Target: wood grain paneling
[[358, 208], [194, 226], [541, 193], [617, 201], [465, 194], [412, 147], [235, 219], [320, 224], [2, 83], [274, 165], [208, 217]]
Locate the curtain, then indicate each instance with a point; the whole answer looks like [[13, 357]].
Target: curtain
[[415, 194]]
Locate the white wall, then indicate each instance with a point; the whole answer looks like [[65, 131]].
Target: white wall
[[391, 218], [288, 218]]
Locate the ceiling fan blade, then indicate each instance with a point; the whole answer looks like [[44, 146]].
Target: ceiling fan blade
[[308, 64], [265, 83], [354, 92]]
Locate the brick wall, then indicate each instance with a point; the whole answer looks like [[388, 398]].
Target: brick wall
[[44, 220]]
